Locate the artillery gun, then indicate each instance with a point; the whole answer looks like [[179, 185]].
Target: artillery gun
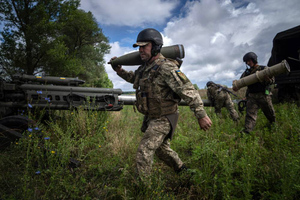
[[28, 92], [55, 93]]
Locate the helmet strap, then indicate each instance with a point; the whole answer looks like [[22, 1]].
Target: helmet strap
[[155, 49]]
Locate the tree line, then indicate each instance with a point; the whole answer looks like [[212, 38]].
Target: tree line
[[52, 37]]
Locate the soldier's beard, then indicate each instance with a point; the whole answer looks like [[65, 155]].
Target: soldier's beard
[[145, 57]]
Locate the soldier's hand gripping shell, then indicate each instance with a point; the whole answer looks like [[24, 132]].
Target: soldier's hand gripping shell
[[267, 79], [116, 68]]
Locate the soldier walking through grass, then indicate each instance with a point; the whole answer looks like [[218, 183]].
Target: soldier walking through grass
[[160, 85], [258, 95], [220, 97]]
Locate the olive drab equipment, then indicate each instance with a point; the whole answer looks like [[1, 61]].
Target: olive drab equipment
[[175, 52], [25, 94], [286, 46], [259, 86], [258, 76], [147, 101]]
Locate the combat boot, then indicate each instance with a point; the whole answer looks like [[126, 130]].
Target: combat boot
[[185, 170]]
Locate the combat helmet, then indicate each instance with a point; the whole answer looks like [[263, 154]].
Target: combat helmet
[[150, 35], [209, 83], [250, 56]]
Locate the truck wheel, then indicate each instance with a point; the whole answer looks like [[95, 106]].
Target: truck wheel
[[11, 129]]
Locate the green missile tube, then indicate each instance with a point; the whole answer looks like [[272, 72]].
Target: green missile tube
[[259, 76]]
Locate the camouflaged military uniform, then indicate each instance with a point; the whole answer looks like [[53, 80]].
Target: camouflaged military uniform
[[258, 96], [221, 98], [159, 88]]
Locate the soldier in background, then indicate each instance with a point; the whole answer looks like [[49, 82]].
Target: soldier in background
[[219, 96], [160, 86], [258, 95]]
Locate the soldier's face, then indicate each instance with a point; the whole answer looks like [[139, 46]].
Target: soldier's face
[[250, 63], [145, 52]]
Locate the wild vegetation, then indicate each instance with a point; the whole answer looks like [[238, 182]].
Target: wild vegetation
[[227, 165], [53, 38], [91, 155]]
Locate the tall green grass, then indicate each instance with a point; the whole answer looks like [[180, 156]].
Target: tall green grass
[[263, 165]]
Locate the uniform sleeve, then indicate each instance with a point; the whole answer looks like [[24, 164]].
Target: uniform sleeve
[[128, 76], [182, 86]]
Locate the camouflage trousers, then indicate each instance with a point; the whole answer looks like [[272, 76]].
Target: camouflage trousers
[[155, 141], [225, 100], [254, 102]]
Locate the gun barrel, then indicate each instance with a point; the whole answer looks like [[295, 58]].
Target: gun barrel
[[130, 100], [127, 99], [49, 79], [24, 93], [69, 88]]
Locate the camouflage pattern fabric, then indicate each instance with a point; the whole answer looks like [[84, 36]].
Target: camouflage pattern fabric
[[166, 84], [254, 102], [169, 80], [258, 96], [220, 99], [155, 142]]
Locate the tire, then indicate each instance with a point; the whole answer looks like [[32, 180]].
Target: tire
[[11, 129]]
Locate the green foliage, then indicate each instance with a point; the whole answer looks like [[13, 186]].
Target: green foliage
[[228, 165], [28, 29], [196, 86], [52, 37], [59, 63]]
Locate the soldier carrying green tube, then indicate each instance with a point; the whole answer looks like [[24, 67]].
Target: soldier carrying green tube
[[258, 78]]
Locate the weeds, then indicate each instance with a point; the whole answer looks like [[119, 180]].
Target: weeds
[[262, 165]]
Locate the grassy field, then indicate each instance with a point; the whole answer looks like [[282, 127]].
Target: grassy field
[[263, 165]]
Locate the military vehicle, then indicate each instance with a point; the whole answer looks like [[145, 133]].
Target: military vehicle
[[286, 46]]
